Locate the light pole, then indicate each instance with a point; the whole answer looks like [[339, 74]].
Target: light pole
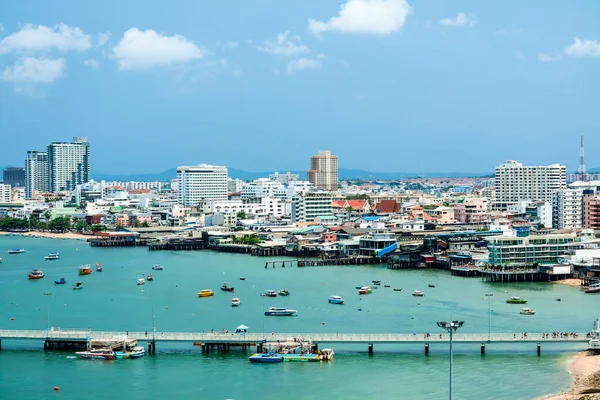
[[451, 327], [489, 297]]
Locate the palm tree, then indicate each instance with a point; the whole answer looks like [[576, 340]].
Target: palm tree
[[47, 215]]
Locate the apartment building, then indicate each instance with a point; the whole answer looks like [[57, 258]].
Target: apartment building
[[36, 173], [323, 173], [591, 210], [201, 183], [567, 208], [5, 193], [307, 206]]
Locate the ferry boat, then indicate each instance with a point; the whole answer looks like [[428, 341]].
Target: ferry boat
[[78, 285], [266, 358], [149, 277], [593, 288], [235, 302], [157, 267], [284, 292], [280, 312], [98, 267], [336, 300], [62, 281], [141, 281], [52, 256], [270, 293], [526, 311], [85, 270], [516, 300], [418, 293], [226, 288], [97, 354], [136, 352], [16, 251], [36, 274], [205, 293]]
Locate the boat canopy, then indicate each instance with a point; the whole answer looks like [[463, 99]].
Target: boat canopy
[[241, 329]]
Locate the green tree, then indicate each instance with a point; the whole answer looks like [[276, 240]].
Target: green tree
[[242, 214], [98, 228], [145, 224]]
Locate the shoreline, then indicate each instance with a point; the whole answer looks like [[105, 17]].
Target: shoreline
[[49, 235], [569, 282], [584, 369]]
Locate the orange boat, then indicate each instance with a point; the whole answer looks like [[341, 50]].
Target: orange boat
[[36, 274], [85, 270]]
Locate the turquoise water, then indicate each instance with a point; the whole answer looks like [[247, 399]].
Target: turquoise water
[[111, 300]]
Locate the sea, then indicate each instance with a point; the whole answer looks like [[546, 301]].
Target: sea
[[112, 301]]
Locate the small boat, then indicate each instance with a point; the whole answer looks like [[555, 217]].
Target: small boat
[[327, 354], [558, 299], [78, 285], [85, 270], [308, 357], [149, 277], [336, 300], [205, 293], [97, 354], [418, 293], [16, 251], [242, 278], [62, 281], [36, 274], [593, 288], [52, 256], [157, 267], [235, 302], [284, 292], [280, 312], [141, 281], [526, 311], [266, 358], [386, 285], [270, 293], [47, 293], [365, 290], [0, 261], [98, 267], [516, 300], [136, 352], [397, 289], [376, 283], [431, 285], [226, 288]]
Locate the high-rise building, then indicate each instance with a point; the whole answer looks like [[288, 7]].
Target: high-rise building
[[14, 177], [323, 173], [5, 193], [591, 210], [310, 205], [515, 182], [201, 183], [68, 164], [36, 173], [567, 208]]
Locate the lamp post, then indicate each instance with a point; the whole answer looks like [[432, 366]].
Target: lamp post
[[451, 327]]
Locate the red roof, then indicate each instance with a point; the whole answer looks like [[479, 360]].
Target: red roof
[[338, 203], [357, 204], [427, 217], [388, 206]]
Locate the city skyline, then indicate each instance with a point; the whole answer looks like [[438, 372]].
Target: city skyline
[[400, 86]]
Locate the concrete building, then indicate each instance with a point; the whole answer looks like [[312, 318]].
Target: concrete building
[[323, 173], [567, 208], [5, 193], [263, 187], [36, 173], [538, 212], [235, 185], [284, 179], [591, 210], [68, 164], [15, 177], [201, 183], [515, 182], [473, 210], [306, 207]]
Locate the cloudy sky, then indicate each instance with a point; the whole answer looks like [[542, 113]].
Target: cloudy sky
[[387, 85]]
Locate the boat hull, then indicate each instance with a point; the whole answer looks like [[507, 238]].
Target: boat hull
[[302, 357], [336, 301], [266, 358], [289, 313], [30, 276]]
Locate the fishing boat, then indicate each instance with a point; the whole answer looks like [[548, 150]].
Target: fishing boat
[[376, 283], [418, 293], [386, 285], [62, 281], [266, 358], [52, 256], [136, 352], [149, 277], [141, 281], [157, 267], [235, 302], [280, 312], [85, 270], [242, 278], [205, 293], [226, 288], [397, 289], [516, 300], [327, 354], [284, 292], [16, 251], [78, 285], [526, 311], [336, 300], [593, 288], [98, 267], [270, 293], [431, 285], [97, 354], [36, 274]]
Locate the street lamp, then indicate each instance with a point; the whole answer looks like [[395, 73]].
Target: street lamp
[[451, 327]]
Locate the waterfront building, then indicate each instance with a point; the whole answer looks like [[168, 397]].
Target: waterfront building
[[5, 193], [567, 208], [201, 183], [15, 177], [516, 182], [323, 173], [307, 206], [376, 241], [68, 164], [36, 173], [284, 179]]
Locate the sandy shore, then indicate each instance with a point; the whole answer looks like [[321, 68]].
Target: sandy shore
[[66, 235], [569, 282], [585, 370]]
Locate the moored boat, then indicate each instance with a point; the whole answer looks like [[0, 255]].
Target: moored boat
[[16, 251], [78, 285], [327, 354], [336, 300], [84, 270], [266, 358], [270, 293], [235, 302], [52, 256], [61, 281], [516, 300], [141, 281], [431, 285], [526, 311], [226, 288], [136, 352], [36, 274], [418, 293], [365, 290], [97, 354], [280, 312], [283, 292], [205, 293], [157, 267], [98, 267], [376, 283], [397, 289], [593, 288], [149, 277], [302, 357]]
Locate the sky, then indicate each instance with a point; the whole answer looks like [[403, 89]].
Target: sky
[[386, 85]]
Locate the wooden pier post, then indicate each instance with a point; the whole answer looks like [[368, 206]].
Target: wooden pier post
[[426, 349], [45, 345], [483, 349], [539, 349], [370, 348]]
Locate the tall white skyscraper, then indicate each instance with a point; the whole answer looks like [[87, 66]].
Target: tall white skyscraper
[[68, 164], [200, 183], [323, 173], [36, 173]]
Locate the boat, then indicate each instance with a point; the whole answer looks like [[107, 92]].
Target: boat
[[386, 285], [431, 285], [52, 256], [98, 267], [516, 300], [36, 274], [149, 277], [78, 285], [136, 352], [242, 278], [376, 283], [593, 288], [284, 292], [302, 357], [418, 293], [397, 289], [141, 281], [558, 299], [266, 358], [97, 354], [85, 270], [235, 302], [270, 293], [526, 311], [327, 354], [365, 290], [157, 267], [336, 300], [205, 293], [47, 293], [226, 288], [280, 312], [62, 281], [16, 251]]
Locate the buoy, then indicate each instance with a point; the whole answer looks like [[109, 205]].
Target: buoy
[[56, 388], [322, 323], [12, 319]]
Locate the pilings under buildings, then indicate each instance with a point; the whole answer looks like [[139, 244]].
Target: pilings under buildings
[[179, 245], [356, 260], [111, 242]]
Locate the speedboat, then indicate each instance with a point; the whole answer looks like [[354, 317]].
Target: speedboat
[[16, 251], [526, 311], [336, 300], [593, 288], [78, 285], [149, 277], [327, 354], [36, 274], [136, 352], [97, 354], [85, 270], [558, 299], [516, 300], [270, 293], [157, 267], [365, 290], [52, 256], [280, 312], [141, 281], [235, 302], [284, 292], [62, 281], [266, 358], [98, 267], [226, 288], [205, 293], [418, 293]]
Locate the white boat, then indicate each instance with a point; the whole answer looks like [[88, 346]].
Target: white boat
[[526, 311], [136, 352], [280, 312], [235, 302], [16, 251], [157, 267], [78, 285], [327, 354], [141, 281], [418, 293], [336, 300], [98, 354], [593, 288], [52, 256]]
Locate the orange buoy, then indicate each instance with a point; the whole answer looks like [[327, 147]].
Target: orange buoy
[[56, 388]]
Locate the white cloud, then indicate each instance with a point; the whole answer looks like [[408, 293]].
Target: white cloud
[[102, 39], [583, 48], [377, 17], [285, 44], [44, 38], [232, 43], [91, 63], [305, 63], [146, 49], [34, 70], [461, 20], [548, 57]]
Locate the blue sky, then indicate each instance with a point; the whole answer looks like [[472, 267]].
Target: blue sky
[[387, 85]]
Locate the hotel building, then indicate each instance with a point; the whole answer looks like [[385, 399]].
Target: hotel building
[[68, 164], [323, 173], [201, 183]]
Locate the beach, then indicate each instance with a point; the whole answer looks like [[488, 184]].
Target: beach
[[569, 282], [585, 370], [50, 235]]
